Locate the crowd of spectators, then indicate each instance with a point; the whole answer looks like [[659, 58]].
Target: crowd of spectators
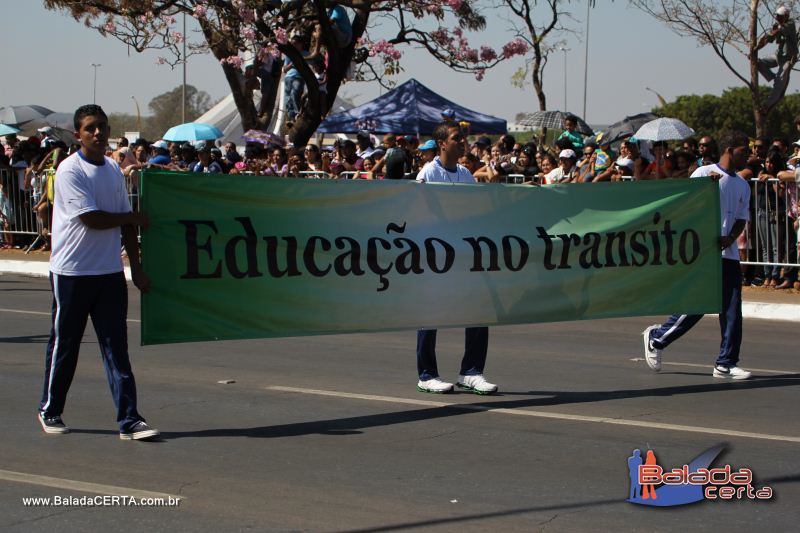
[[24, 166]]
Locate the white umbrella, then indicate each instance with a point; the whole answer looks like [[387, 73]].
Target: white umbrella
[[664, 129]]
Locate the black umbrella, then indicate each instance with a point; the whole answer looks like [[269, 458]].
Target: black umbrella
[[20, 114], [627, 126], [553, 119]]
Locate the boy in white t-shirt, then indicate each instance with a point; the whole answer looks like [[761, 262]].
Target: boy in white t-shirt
[[445, 169], [91, 213], [734, 194]]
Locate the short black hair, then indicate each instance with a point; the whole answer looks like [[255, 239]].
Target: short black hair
[[442, 131], [732, 139], [571, 118], [89, 110]]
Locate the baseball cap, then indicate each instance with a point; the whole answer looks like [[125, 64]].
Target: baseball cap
[[201, 146], [363, 134], [567, 154], [427, 145], [483, 140], [448, 113], [782, 11], [161, 145]]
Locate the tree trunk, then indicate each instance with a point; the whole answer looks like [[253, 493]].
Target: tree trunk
[[760, 115], [538, 86], [338, 62]]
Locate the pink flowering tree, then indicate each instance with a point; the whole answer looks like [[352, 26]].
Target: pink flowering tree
[[246, 35]]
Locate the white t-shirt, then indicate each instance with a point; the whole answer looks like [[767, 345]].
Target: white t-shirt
[[435, 172], [557, 175], [734, 202], [82, 187]]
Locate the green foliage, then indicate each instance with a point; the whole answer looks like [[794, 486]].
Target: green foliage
[[709, 114], [166, 108], [166, 112]]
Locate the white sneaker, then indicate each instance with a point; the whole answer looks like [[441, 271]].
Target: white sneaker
[[476, 384], [435, 386], [651, 354], [731, 372]]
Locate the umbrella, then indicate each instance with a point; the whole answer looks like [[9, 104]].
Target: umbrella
[[627, 126], [8, 130], [67, 136], [664, 129], [192, 131], [20, 114], [262, 137], [53, 120], [553, 119]]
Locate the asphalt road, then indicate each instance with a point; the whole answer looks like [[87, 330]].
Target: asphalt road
[[330, 434]]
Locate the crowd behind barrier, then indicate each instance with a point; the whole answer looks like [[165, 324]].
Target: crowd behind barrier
[[768, 247]]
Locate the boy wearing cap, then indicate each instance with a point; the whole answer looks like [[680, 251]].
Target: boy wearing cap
[[427, 151], [567, 169], [205, 163], [445, 169], [160, 154]]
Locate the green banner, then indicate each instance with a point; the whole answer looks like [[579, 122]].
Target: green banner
[[234, 257]]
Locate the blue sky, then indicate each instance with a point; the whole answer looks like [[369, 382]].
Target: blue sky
[[47, 59]]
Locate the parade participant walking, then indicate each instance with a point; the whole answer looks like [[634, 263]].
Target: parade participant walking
[[86, 275], [445, 169], [734, 193]]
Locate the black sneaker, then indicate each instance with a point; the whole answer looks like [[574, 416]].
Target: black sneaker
[[140, 431], [52, 424]]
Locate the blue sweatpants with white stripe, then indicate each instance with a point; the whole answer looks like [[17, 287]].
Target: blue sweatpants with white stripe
[[730, 319], [75, 299]]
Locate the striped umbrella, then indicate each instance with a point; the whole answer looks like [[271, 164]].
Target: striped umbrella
[[553, 119]]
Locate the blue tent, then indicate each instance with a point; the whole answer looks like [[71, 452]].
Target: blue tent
[[408, 108]]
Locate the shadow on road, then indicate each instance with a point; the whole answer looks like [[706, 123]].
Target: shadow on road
[[355, 425]]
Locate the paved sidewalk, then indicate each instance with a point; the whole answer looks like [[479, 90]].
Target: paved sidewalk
[[767, 304]]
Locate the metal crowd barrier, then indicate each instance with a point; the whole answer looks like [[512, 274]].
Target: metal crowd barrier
[[20, 224], [771, 239], [315, 174]]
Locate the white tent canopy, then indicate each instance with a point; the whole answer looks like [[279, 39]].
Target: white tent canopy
[[225, 116]]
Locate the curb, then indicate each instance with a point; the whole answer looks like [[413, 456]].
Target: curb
[[758, 310]]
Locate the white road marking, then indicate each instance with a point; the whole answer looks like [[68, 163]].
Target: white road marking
[[18, 311], [709, 367], [540, 414], [81, 486]]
